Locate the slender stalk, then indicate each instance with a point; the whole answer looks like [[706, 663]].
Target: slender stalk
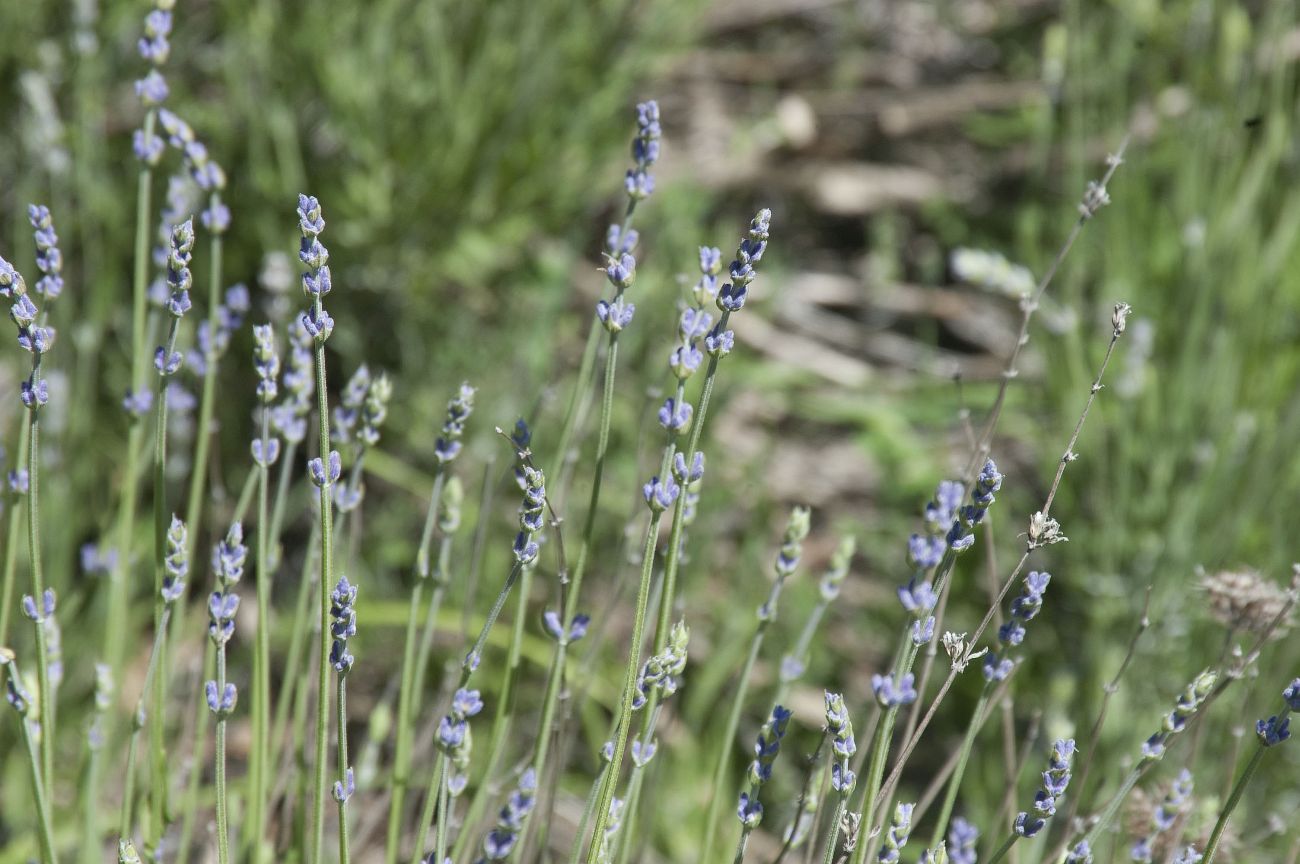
[[405, 718], [1212, 845], [467, 671], [11, 540], [326, 579], [954, 783], [223, 819], [45, 822], [444, 817], [1088, 208], [139, 718], [207, 400], [1004, 849], [261, 750], [189, 809], [38, 586], [598, 474], [158, 728], [344, 853], [629, 685], [501, 722], [723, 766], [588, 809], [840, 808], [1086, 755]]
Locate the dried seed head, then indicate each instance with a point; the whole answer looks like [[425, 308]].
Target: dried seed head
[[1119, 318], [1243, 599]]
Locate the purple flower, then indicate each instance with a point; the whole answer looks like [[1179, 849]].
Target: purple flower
[[890, 694], [1055, 780], [719, 343], [152, 89], [223, 704], [1273, 730], [1292, 695], [148, 149], [692, 473], [618, 241], [344, 789], [316, 468], [177, 562], [458, 410], [917, 597], [615, 314], [660, 494], [675, 416], [621, 271], [137, 402], [750, 812], [923, 631], [962, 837]]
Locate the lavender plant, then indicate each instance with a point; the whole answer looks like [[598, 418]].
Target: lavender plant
[[279, 800]]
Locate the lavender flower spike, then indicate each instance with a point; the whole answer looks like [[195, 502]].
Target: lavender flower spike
[[344, 624], [900, 829], [962, 836], [458, 410], [49, 260], [1055, 780], [177, 563], [840, 729]]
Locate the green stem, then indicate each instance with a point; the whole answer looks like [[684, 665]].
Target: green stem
[[723, 766], [326, 579], [402, 750], [207, 401], [602, 449], [444, 817], [587, 811], [189, 808], [157, 728], [344, 854], [1112, 807], [1212, 845], [11, 541], [261, 750], [1004, 849], [502, 722], [586, 370], [405, 714], [629, 685], [431, 802], [223, 819], [38, 587], [954, 782], [835, 830], [138, 721], [46, 836]]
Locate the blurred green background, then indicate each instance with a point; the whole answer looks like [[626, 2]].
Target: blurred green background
[[469, 156]]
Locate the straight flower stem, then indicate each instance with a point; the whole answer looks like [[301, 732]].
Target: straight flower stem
[[326, 579], [602, 448], [954, 782], [402, 749], [723, 765], [207, 401], [840, 809], [344, 853], [405, 718], [157, 728], [587, 811], [223, 820], [1004, 849], [629, 685], [586, 370], [261, 661], [1212, 845], [502, 721], [138, 721], [189, 809], [11, 542], [467, 671], [46, 836], [38, 589]]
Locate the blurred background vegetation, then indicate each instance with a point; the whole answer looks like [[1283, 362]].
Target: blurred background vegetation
[[469, 156]]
